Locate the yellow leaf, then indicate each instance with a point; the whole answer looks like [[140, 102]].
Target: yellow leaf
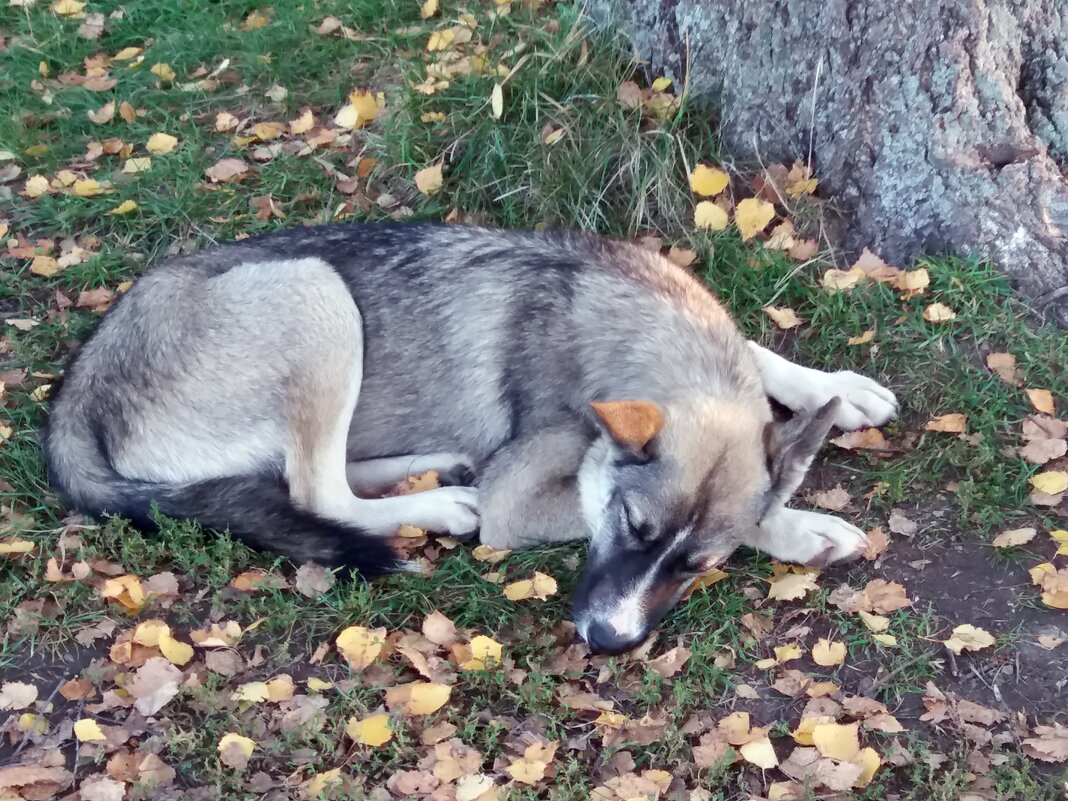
[[913, 282], [89, 187], [969, 638], [253, 692], [302, 124], [132, 166], [244, 744], [784, 317], [88, 730], [661, 83], [955, 423], [160, 143], [840, 280], [255, 21], [317, 685], [539, 587], [527, 771], [1060, 537], [30, 722], [321, 781], [827, 654], [1013, 537], [710, 217], [126, 591], [939, 313], [103, 114], [1055, 600], [836, 740], [554, 136], [1042, 400], [869, 760], [418, 698], [440, 40], [225, 121], [280, 688], [428, 180], [360, 646], [708, 181], [863, 339], [267, 131], [889, 640], [68, 8], [126, 54], [752, 216], [760, 753], [149, 632], [875, 623], [124, 208], [785, 653], [163, 71], [36, 185], [1039, 572], [428, 9], [13, 545], [1052, 482], [497, 101], [373, 730], [483, 650], [432, 116], [44, 266], [791, 586], [175, 651]]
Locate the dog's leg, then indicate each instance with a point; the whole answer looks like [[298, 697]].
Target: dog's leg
[[528, 491], [375, 476], [865, 403], [808, 538], [323, 389]]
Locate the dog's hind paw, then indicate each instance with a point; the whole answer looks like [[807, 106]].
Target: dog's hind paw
[[865, 403]]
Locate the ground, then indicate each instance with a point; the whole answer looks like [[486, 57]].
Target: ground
[[307, 112]]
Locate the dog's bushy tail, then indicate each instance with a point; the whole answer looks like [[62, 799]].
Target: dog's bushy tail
[[256, 509]]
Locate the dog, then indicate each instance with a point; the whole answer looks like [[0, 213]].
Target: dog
[[275, 386]]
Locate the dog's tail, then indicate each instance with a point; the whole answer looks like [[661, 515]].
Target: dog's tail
[[256, 509]]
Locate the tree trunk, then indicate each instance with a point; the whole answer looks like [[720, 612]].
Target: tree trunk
[[937, 125]]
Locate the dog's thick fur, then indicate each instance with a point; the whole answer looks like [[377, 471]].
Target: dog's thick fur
[[273, 386]]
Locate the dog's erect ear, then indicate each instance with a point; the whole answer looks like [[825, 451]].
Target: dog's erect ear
[[632, 424], [791, 447]]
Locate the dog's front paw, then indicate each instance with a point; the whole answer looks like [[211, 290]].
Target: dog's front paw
[[811, 538], [865, 403], [450, 510]]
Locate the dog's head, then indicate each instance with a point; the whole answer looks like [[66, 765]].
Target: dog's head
[[669, 493]]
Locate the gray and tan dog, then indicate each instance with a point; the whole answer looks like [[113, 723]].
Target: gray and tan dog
[[274, 386]]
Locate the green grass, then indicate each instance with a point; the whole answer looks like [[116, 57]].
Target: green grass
[[615, 171]]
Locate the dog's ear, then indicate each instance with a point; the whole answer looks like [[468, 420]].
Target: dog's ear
[[791, 446], [632, 424]]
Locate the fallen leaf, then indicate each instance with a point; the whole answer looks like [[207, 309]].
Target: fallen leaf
[[835, 499], [360, 646], [313, 580], [68, 8], [1004, 364], [226, 170], [969, 638], [955, 423], [837, 740], [1042, 400], [835, 280], [126, 591], [36, 185], [1049, 744], [154, 685], [428, 9], [417, 698], [866, 439], [165, 72], [708, 181], [235, 749], [373, 730], [13, 545], [497, 101], [1052, 482], [784, 317], [939, 313], [709, 216], [862, 339], [540, 587], [254, 21], [439, 629], [124, 208], [90, 187], [88, 730], [886, 596], [485, 652], [429, 179], [160, 143], [1013, 537], [874, 623], [17, 695], [827, 653], [759, 752], [752, 216], [102, 115], [791, 586], [878, 542]]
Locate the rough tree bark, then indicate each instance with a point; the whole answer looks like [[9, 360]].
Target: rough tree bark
[[939, 125]]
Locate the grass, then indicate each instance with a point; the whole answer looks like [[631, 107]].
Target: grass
[[615, 171]]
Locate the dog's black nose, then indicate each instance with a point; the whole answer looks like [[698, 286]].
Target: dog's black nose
[[603, 639]]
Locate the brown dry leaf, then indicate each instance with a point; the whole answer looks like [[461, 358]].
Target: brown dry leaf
[[670, 662], [225, 170], [900, 524], [834, 500], [1013, 537], [154, 685], [784, 317], [1042, 400], [862, 339], [1004, 364], [878, 542], [681, 256], [866, 439], [954, 423], [102, 115], [17, 695], [313, 580], [804, 249], [886, 596], [1049, 744], [1041, 451], [835, 280], [439, 629]]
